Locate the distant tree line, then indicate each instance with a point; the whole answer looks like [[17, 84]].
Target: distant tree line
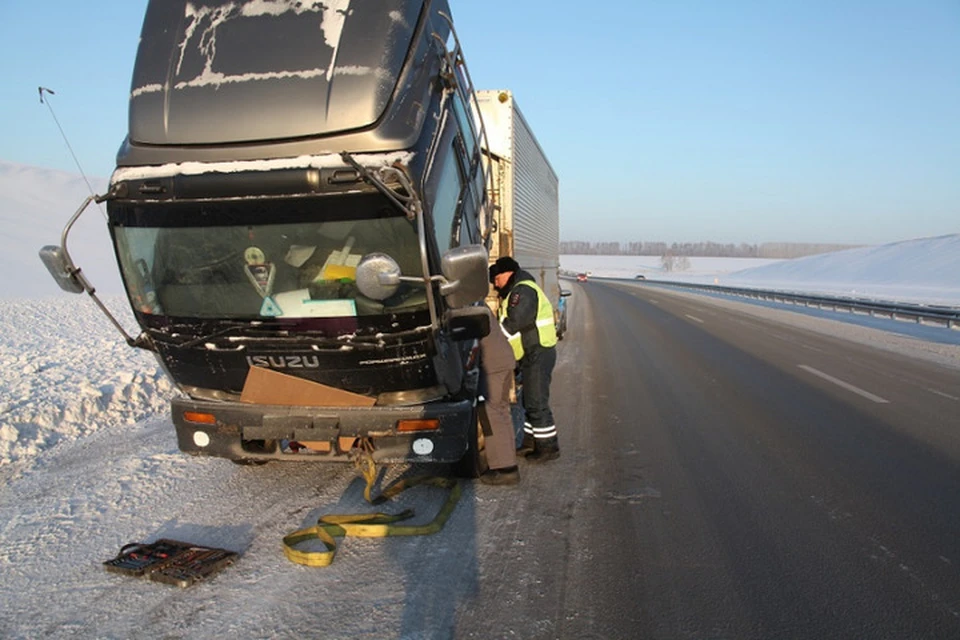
[[784, 250]]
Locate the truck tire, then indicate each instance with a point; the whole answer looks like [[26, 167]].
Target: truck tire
[[474, 461]]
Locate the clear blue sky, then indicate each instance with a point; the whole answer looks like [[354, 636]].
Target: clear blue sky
[[736, 121]]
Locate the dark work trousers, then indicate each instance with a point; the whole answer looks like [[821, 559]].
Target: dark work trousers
[[537, 370]]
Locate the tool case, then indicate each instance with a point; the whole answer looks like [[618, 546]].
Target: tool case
[[170, 561]]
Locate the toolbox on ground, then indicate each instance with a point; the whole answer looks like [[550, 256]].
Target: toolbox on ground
[[170, 561]]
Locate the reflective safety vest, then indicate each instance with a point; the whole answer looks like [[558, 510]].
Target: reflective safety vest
[[546, 329]]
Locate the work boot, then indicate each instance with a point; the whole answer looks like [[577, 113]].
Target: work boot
[[528, 444], [544, 449], [507, 475]]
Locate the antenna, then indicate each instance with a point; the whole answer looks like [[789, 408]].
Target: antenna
[[41, 91]]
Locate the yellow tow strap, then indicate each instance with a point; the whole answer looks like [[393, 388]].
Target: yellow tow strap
[[369, 525]]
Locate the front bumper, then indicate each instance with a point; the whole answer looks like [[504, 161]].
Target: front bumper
[[255, 432]]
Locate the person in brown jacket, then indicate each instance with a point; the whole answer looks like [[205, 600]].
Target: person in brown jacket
[[497, 363]]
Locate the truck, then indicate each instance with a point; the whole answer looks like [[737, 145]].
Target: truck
[[303, 229], [525, 197]]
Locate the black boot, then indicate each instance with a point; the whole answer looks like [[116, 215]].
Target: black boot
[[509, 475], [544, 449], [527, 445]]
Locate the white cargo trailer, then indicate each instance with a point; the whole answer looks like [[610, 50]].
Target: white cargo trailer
[[524, 192]]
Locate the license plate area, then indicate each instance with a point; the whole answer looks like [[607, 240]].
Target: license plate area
[[299, 428]]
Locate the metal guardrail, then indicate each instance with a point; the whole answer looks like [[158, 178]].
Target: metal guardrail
[[948, 317]]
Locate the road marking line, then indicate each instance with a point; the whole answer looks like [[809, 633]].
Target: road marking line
[[845, 385], [941, 393], [694, 318]]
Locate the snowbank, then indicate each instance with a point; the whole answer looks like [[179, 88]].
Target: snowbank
[[66, 372]]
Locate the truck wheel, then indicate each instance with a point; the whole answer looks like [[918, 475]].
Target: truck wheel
[[474, 461]]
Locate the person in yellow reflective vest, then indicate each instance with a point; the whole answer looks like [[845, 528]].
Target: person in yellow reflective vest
[[526, 317]]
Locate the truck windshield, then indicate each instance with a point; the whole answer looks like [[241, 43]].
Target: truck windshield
[[250, 260]]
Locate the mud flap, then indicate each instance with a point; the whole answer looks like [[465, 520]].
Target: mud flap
[[474, 461]]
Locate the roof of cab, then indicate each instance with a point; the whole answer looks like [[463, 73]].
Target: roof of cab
[[212, 72]]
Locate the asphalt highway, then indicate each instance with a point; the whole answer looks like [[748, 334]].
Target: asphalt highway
[[729, 476]]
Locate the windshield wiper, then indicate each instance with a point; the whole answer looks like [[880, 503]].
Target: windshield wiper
[[171, 333], [409, 203], [262, 333]]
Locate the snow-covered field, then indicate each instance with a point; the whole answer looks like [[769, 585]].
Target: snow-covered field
[[920, 271], [700, 269], [65, 372]]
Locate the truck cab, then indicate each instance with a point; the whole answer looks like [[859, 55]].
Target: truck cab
[[315, 207]]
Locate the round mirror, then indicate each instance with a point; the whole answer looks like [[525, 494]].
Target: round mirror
[[378, 276]]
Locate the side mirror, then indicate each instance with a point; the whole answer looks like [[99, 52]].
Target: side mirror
[[465, 271], [378, 276], [468, 323], [464, 279], [61, 268], [564, 293]]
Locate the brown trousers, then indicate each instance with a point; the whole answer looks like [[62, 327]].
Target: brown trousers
[[502, 445]]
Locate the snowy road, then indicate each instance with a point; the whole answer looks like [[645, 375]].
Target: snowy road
[[709, 487]]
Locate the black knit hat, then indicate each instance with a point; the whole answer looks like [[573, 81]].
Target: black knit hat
[[503, 265]]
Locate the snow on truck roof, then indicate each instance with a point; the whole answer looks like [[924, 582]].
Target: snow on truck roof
[[331, 160]]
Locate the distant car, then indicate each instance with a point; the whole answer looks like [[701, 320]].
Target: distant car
[[581, 277], [640, 276]]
